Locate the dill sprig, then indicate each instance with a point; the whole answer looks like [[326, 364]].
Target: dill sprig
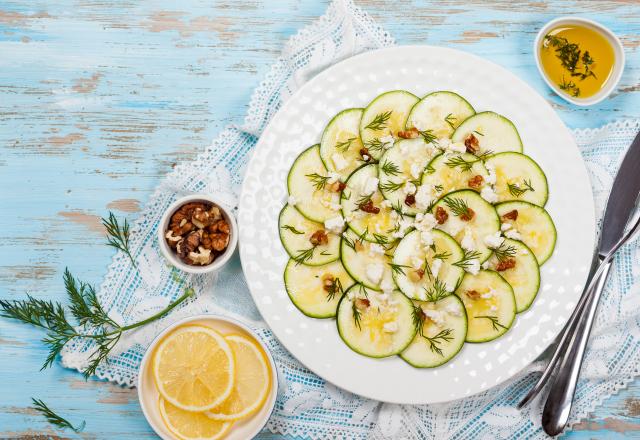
[[318, 180], [428, 136], [478, 133], [356, 314], [391, 186], [457, 206], [465, 261], [305, 255], [517, 191], [380, 239], [494, 321], [335, 288], [504, 252], [118, 235], [374, 144], [450, 120], [390, 168], [443, 336], [437, 291], [438, 188], [292, 229], [569, 87], [441, 255], [363, 200], [344, 145], [93, 322], [459, 161], [54, 418], [398, 269], [379, 121]]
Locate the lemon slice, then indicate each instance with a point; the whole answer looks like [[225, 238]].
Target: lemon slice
[[253, 381], [189, 425], [194, 369]]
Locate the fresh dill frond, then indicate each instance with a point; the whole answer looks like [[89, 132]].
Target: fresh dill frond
[[457, 206], [438, 188], [334, 289], [504, 252], [379, 121], [450, 120], [391, 186], [398, 269], [380, 239], [292, 229], [304, 255], [54, 418], [478, 133], [318, 180], [437, 291], [459, 161], [517, 191], [374, 144], [428, 136], [118, 235], [494, 321], [363, 199], [390, 168], [344, 145], [467, 257], [441, 255], [356, 314], [443, 336]]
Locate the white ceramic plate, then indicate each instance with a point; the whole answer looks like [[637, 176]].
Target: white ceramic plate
[[353, 83], [148, 395]]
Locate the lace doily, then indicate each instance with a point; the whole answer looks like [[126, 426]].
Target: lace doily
[[306, 405]]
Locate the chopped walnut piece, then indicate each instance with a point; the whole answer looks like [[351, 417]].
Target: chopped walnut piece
[[328, 282], [188, 244], [411, 133], [368, 207], [511, 215], [337, 186], [415, 275], [503, 265], [410, 200], [472, 144], [473, 294], [364, 152], [319, 237], [202, 257], [468, 215], [358, 246], [441, 215], [475, 181], [172, 240], [362, 303]]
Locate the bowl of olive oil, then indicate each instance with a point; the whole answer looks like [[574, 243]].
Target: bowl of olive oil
[[581, 60]]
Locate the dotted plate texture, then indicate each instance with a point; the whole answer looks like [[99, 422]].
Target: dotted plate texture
[[420, 70]]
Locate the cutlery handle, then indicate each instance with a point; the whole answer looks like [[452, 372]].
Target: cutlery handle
[[559, 401]]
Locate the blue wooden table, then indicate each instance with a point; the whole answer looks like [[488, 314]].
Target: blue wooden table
[[98, 99]]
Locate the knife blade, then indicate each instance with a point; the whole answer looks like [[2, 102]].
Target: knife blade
[[622, 198]]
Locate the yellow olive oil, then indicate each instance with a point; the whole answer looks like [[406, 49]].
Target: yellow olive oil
[[578, 59]]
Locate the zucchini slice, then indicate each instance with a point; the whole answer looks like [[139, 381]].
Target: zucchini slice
[[494, 133], [518, 177], [340, 145], [308, 183], [490, 305], [449, 172], [368, 263], [316, 290], [375, 324], [295, 234], [385, 116], [372, 226], [524, 277], [533, 226], [402, 163], [418, 268], [469, 234], [441, 335], [441, 112]]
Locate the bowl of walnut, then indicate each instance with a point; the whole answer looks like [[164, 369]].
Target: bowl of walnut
[[197, 234]]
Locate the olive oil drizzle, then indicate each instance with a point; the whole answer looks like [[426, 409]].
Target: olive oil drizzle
[[569, 55]]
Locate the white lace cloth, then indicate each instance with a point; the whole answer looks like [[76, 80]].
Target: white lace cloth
[[306, 405]]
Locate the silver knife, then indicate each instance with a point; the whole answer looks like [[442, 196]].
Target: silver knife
[[620, 206]]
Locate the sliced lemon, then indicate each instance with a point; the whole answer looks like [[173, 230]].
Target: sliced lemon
[[194, 368], [189, 425], [253, 381]]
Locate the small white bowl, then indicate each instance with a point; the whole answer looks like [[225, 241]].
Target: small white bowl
[[149, 397], [618, 51], [170, 254]]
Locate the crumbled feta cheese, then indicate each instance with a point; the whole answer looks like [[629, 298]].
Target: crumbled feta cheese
[[375, 249], [473, 267], [444, 143], [491, 176], [333, 177], [292, 201], [409, 188], [468, 241], [505, 227], [426, 237], [494, 241], [422, 295], [416, 262], [523, 251], [435, 267], [485, 265], [335, 224], [455, 226], [416, 170], [366, 157], [387, 141], [374, 272], [453, 310], [435, 315], [423, 196], [489, 194], [513, 234], [387, 286], [339, 161], [370, 186], [386, 204], [457, 147], [425, 222], [488, 295], [449, 287], [390, 327]]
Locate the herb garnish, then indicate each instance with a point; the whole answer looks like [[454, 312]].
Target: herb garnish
[[450, 120], [344, 145], [517, 191], [494, 321], [428, 136], [457, 206], [379, 121], [569, 55], [54, 418], [318, 180], [465, 261], [504, 252], [390, 168], [445, 335], [292, 229], [118, 235], [391, 186], [459, 161]]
